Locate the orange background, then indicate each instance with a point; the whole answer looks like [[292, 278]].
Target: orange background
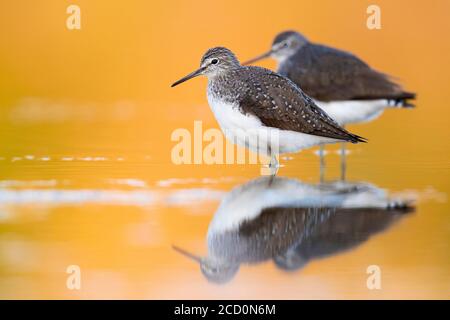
[[129, 52]]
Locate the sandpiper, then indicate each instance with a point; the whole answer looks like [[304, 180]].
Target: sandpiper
[[343, 85], [252, 103]]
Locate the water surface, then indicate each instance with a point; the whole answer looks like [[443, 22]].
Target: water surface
[[86, 177]]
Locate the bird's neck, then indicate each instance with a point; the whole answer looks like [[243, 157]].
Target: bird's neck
[[280, 59], [223, 86]]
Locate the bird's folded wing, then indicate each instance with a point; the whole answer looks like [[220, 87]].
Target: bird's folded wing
[[279, 103], [329, 74]]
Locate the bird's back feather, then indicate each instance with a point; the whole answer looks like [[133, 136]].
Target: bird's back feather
[[279, 103], [329, 74]]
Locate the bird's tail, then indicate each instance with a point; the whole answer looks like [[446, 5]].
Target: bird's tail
[[402, 100], [401, 206], [344, 135], [353, 138]]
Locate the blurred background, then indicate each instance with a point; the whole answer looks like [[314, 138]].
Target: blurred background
[[85, 171]]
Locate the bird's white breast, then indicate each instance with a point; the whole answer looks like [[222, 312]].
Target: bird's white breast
[[248, 130], [352, 111], [247, 201]]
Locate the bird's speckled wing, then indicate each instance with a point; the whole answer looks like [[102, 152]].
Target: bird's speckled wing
[[343, 229], [329, 74], [279, 103]]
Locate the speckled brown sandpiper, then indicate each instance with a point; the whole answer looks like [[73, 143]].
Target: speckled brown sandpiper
[[246, 99], [344, 86], [335, 78]]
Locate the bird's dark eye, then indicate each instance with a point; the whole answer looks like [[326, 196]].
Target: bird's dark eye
[[214, 61], [284, 45]]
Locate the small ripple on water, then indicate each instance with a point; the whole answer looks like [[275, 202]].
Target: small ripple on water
[[29, 184], [136, 183], [427, 194], [178, 181], [61, 158], [76, 197], [193, 196]]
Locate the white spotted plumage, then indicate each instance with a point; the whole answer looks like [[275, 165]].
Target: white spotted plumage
[[248, 131]]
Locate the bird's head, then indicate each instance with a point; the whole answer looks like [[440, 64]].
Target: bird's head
[[214, 62], [218, 272], [215, 270], [290, 260], [284, 45]]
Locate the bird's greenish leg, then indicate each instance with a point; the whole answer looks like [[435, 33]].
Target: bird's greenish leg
[[343, 161], [322, 162], [274, 164]]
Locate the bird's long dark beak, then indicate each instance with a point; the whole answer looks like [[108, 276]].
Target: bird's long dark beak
[[187, 254], [263, 56], [189, 76]]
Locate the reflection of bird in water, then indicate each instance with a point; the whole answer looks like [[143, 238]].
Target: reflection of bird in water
[[292, 223]]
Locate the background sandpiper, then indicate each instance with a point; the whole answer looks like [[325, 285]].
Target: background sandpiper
[[343, 85], [253, 103]]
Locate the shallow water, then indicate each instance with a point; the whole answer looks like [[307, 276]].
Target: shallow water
[[86, 176], [100, 202]]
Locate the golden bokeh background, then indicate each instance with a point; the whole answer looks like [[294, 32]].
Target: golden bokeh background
[[104, 91]]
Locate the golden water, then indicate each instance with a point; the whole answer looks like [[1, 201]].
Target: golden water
[[86, 176]]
